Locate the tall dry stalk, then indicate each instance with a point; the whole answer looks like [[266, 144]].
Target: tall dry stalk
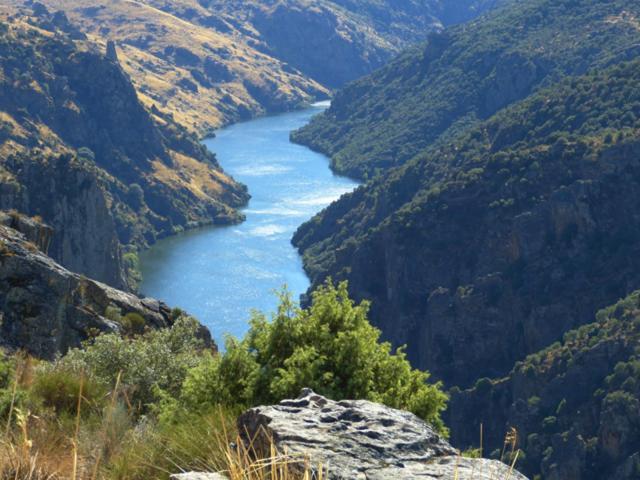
[[107, 422], [14, 392], [74, 442]]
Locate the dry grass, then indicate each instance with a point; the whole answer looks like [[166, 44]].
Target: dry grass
[[143, 31], [117, 445], [112, 446]]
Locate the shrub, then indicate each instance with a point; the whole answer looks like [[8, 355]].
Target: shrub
[[133, 323], [158, 359], [86, 154], [131, 263], [135, 196], [329, 347], [484, 386], [59, 389], [549, 424]]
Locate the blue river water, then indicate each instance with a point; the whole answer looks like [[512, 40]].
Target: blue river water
[[221, 274]]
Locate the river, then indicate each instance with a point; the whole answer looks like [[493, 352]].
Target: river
[[221, 274]]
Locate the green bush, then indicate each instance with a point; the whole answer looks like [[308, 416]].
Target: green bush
[[131, 263], [549, 424], [484, 386], [59, 389], [7, 369], [133, 323], [329, 347], [156, 361]]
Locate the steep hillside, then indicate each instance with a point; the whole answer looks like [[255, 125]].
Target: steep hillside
[[575, 404], [212, 62], [79, 149], [467, 74], [492, 244]]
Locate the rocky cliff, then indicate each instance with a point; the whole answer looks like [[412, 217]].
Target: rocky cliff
[[574, 404], [46, 309], [69, 196], [80, 150], [491, 246]]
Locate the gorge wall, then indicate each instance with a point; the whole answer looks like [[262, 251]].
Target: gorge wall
[[80, 150]]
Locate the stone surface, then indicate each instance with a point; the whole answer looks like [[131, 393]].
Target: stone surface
[[34, 231], [46, 309], [358, 439], [198, 476]]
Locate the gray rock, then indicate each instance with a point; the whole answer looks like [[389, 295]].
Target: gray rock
[[34, 231], [45, 309], [112, 53], [358, 439], [198, 476]]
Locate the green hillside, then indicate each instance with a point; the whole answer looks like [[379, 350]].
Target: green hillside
[[466, 74], [574, 404], [492, 244]]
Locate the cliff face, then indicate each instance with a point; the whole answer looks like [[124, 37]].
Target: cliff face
[[68, 195], [574, 404], [335, 42], [46, 309], [492, 245], [80, 150]]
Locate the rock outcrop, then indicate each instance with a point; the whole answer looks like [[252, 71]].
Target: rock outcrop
[[80, 149], [33, 230], [358, 439], [46, 309], [67, 195]]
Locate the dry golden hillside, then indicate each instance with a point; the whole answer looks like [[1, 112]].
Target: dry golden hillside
[[79, 149], [213, 62], [204, 77]]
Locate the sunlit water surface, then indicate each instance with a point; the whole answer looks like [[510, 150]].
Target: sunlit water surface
[[220, 274]]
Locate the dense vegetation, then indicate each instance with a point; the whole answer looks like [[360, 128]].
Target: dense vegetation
[[467, 74], [574, 404], [158, 401], [498, 233], [499, 214]]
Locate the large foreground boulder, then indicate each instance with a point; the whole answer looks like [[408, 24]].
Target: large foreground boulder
[[358, 439]]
